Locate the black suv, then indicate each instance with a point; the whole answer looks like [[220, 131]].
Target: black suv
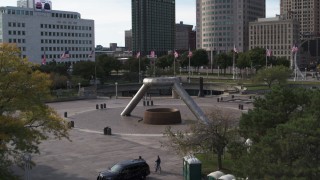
[[130, 169]]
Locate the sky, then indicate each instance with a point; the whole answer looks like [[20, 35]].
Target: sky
[[113, 17]]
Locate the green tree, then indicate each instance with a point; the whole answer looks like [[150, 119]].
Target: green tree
[[211, 138], [224, 61], [278, 74], [25, 120], [258, 57], [84, 69], [285, 129], [199, 58]]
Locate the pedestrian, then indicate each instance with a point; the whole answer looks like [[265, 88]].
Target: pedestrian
[[158, 161]]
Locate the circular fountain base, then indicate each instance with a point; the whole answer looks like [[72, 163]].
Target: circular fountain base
[[162, 116]]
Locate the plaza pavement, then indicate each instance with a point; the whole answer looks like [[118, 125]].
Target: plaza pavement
[[90, 152]]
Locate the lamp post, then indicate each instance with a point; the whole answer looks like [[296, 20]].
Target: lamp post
[[116, 83], [79, 84], [305, 73]]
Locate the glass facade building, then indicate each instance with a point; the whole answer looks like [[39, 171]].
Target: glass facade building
[[153, 26]]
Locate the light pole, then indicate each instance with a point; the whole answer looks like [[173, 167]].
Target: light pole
[[79, 84], [305, 73], [116, 83]]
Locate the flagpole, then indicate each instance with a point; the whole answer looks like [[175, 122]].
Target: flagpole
[[189, 66], [267, 58], [233, 61], [139, 68]]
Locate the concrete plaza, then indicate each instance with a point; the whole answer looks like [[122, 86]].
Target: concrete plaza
[[90, 152]]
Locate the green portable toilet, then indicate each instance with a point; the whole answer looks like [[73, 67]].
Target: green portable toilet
[[215, 175], [191, 168]]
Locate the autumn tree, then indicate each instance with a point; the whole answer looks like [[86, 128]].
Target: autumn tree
[[25, 120], [212, 137]]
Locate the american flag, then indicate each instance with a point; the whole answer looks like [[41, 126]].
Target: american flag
[[176, 54], [152, 54], [294, 49], [138, 55], [190, 54], [65, 55], [268, 52], [235, 49], [91, 54], [44, 58]]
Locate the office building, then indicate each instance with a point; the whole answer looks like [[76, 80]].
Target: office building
[[41, 32], [276, 34], [307, 12], [185, 37], [128, 40], [153, 26], [221, 25]]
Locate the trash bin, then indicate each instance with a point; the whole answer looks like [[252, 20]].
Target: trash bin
[[101, 106], [97, 106], [72, 124], [105, 106], [218, 99], [65, 114], [215, 175], [191, 168]]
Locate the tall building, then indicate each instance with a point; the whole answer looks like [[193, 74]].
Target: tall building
[[185, 37], [41, 32], [128, 40], [221, 25], [307, 12], [153, 26], [276, 34]]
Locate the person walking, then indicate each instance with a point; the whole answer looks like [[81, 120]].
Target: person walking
[[158, 162]]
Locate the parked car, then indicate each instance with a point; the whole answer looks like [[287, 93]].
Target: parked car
[[126, 170]]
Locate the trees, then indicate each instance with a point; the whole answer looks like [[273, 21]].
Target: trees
[[199, 58], [278, 74], [285, 129], [258, 57], [224, 60], [25, 120], [212, 137]]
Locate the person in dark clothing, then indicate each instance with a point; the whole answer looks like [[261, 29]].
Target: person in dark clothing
[[158, 161]]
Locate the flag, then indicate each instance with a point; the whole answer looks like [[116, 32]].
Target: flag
[[138, 55], [152, 54], [91, 54], [269, 52], [44, 59], [294, 49], [235, 49], [65, 55], [176, 54], [190, 54]]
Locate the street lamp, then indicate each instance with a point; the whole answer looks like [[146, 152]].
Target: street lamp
[[116, 83], [79, 84], [305, 72]]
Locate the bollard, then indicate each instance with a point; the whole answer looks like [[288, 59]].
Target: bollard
[[97, 106], [249, 97], [218, 99], [151, 102], [239, 107], [65, 114], [147, 102], [109, 131], [101, 106], [144, 103], [105, 130], [232, 96], [105, 106], [221, 98]]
